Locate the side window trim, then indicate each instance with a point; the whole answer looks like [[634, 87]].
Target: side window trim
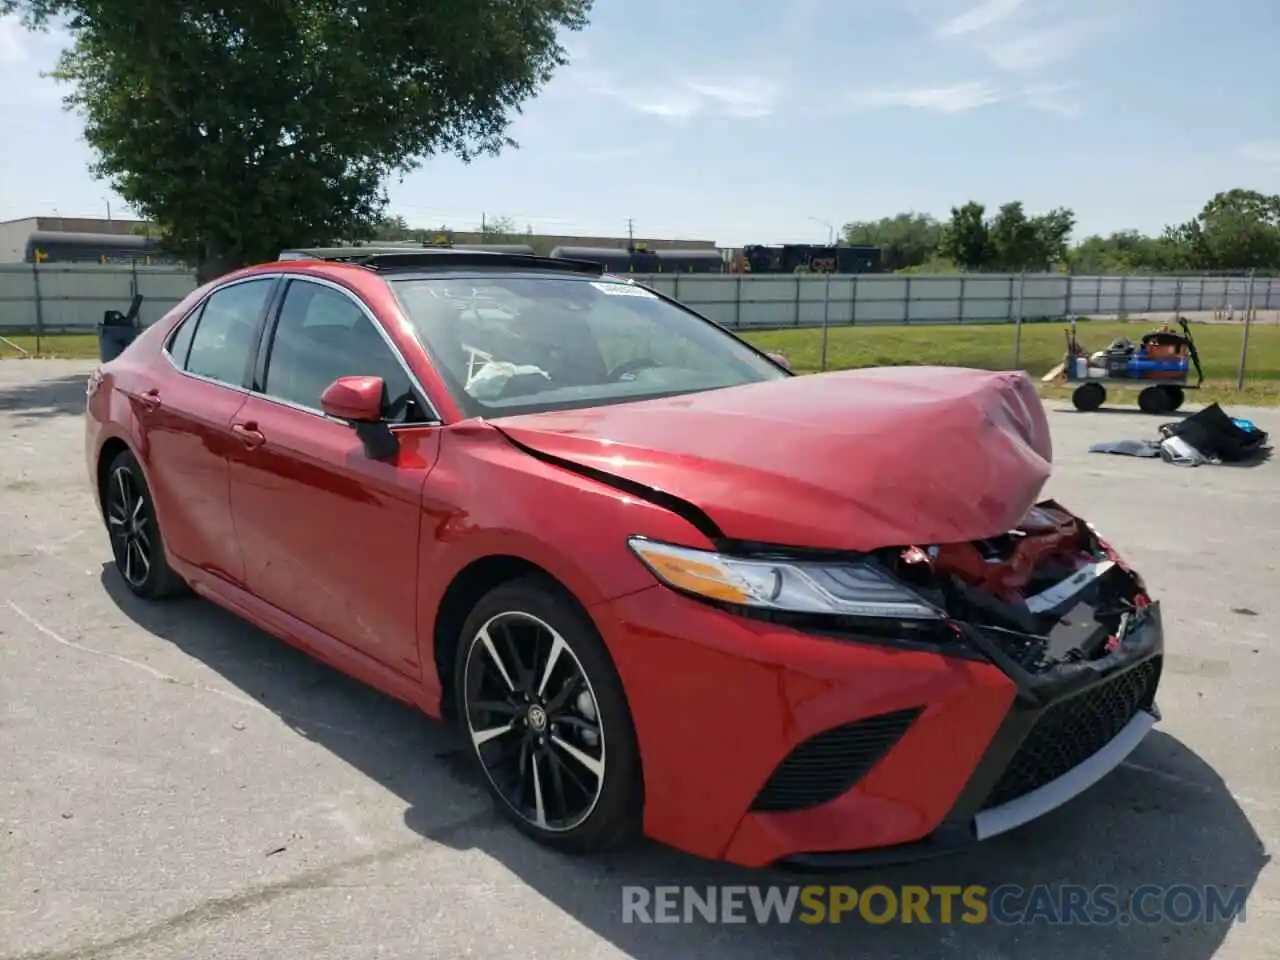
[[192, 320], [267, 342], [197, 314]]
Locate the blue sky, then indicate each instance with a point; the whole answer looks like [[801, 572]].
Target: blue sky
[[750, 122]]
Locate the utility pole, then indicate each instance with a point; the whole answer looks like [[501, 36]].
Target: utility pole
[[631, 234]]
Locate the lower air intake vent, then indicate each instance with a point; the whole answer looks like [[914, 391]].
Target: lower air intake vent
[[1070, 732], [827, 765]]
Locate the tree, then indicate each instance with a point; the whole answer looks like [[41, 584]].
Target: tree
[[907, 240], [503, 230], [1236, 230], [967, 240], [1053, 236], [245, 127]]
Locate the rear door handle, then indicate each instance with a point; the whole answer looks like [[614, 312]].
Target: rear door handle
[[249, 434], [150, 400]]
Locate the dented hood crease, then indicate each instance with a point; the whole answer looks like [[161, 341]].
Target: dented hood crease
[[856, 460]]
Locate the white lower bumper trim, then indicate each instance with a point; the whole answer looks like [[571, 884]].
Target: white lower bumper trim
[[1015, 813]]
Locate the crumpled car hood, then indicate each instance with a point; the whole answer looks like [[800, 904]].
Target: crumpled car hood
[[856, 460]]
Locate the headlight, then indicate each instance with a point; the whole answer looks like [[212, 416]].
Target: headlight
[[847, 588]]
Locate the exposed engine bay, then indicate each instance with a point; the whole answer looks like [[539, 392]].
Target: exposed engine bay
[[1047, 593]]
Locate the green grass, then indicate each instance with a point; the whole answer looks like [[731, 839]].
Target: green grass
[[62, 346], [989, 347]]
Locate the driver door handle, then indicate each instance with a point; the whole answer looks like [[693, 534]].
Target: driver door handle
[[249, 434], [150, 400]]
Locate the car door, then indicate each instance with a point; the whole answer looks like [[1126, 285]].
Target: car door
[[185, 420], [330, 535]]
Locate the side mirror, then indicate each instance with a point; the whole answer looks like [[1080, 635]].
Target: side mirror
[[358, 399], [781, 360]]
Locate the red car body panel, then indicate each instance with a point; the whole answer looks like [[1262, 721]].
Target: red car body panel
[[746, 693], [350, 558], [862, 459]]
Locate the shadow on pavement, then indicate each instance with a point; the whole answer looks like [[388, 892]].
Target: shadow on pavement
[[38, 400], [1165, 818]]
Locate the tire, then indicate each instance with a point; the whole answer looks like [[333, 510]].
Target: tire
[[1089, 397], [129, 513], [1154, 400], [529, 744], [1175, 396]]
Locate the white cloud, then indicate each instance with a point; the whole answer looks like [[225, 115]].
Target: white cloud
[[1037, 48], [986, 14], [1052, 98], [747, 97], [13, 41], [609, 154], [957, 98], [742, 98], [674, 105]]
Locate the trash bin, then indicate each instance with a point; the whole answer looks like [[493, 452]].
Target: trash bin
[[115, 333]]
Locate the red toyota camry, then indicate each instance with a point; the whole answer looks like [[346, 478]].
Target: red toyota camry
[[663, 585]]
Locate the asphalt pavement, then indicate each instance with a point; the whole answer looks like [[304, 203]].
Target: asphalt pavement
[[176, 784]]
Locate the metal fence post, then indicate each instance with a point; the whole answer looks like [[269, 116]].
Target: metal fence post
[[1177, 299], [1071, 288], [826, 320], [799, 287], [35, 280], [737, 303], [853, 300], [1017, 330], [906, 302], [1244, 344], [964, 283]]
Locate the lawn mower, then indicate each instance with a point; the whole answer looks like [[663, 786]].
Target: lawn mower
[[1160, 365]]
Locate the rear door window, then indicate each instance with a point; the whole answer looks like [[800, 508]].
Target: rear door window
[[226, 335]]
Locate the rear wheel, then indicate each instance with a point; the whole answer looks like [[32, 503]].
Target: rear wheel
[[136, 541], [1089, 396], [1155, 400], [1175, 395], [543, 711]]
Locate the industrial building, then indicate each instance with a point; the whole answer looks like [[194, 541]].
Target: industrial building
[[21, 239]]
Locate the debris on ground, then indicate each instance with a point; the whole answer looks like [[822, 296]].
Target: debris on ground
[[1208, 436]]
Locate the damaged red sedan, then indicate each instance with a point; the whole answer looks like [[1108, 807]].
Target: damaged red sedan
[[662, 585]]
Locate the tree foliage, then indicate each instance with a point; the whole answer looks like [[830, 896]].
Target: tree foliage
[[248, 126], [1238, 230], [907, 240]]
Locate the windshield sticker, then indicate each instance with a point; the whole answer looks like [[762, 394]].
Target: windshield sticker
[[624, 290]]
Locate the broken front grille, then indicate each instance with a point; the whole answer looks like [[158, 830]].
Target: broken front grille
[[1070, 732], [827, 765]]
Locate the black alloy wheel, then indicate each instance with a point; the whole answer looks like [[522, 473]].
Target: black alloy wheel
[[136, 542], [543, 711]]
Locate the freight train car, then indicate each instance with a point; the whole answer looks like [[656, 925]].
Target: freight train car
[[51, 246], [690, 261], [811, 258], [622, 260], [613, 259]]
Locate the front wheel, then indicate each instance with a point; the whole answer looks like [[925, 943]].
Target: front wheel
[[544, 712]]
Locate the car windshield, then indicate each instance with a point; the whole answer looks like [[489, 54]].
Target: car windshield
[[511, 345]]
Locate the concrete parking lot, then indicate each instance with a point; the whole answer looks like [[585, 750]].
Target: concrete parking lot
[[176, 784]]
